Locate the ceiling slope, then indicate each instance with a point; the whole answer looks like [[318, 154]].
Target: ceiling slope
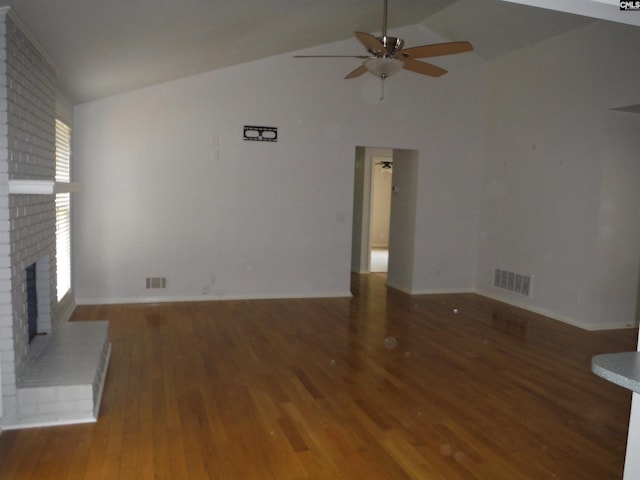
[[106, 47]]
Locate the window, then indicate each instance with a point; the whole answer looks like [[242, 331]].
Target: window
[[63, 210]]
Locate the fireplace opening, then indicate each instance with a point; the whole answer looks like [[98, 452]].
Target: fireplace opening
[[32, 301]]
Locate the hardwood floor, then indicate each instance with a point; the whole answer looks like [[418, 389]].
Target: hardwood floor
[[379, 386]]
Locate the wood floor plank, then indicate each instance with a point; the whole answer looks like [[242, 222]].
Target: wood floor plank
[[382, 385]]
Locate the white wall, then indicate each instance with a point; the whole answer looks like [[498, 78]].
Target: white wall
[[449, 185], [172, 190], [361, 197], [556, 171], [617, 260], [404, 206], [381, 204]]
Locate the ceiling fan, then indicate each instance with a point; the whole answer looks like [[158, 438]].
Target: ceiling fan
[[385, 165], [387, 55]]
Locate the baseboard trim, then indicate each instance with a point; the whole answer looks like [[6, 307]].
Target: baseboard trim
[[210, 298], [442, 291], [206, 298], [591, 327], [65, 308], [16, 425]]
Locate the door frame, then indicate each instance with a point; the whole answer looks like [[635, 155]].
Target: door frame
[[403, 213]]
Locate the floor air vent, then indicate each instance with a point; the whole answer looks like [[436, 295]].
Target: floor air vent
[[519, 283]]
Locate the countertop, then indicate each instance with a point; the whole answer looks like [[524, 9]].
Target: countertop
[[620, 368]]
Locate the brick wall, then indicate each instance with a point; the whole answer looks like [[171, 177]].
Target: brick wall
[[27, 222]]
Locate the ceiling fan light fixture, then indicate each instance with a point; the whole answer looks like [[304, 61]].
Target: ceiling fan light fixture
[[384, 67]]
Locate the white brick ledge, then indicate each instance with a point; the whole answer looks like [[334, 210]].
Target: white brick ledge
[[42, 187], [64, 377]]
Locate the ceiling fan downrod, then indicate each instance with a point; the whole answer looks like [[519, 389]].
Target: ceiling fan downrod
[[384, 20]]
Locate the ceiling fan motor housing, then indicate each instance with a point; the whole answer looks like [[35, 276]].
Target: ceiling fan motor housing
[[391, 44]]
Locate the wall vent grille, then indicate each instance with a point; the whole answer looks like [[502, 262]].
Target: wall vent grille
[[156, 282], [515, 282]]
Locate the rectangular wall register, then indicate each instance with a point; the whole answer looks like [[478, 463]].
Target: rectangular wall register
[[515, 282], [63, 377]]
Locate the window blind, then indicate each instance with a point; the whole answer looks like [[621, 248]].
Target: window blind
[[63, 210]]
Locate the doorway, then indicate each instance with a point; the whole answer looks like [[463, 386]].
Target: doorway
[[381, 182], [390, 224]]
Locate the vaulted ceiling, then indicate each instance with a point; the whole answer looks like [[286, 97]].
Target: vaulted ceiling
[[105, 47]]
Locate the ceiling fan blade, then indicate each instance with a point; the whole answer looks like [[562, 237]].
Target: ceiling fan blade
[[371, 43], [361, 70], [436, 49], [333, 56], [423, 68]]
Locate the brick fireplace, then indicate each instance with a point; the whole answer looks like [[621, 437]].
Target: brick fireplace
[[57, 375]]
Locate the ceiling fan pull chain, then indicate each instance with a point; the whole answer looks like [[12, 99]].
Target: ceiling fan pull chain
[[382, 77]]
